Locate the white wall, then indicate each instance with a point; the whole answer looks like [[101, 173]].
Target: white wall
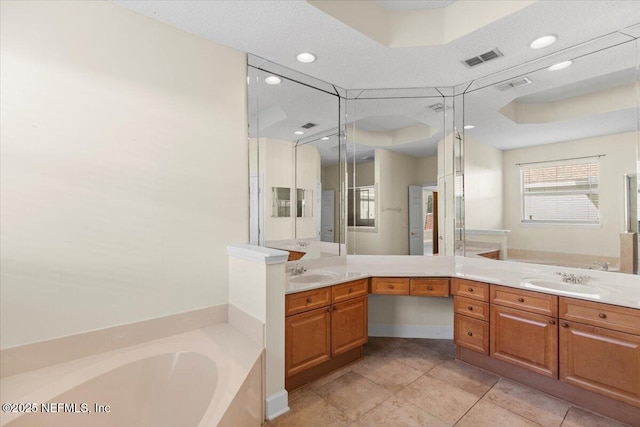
[[483, 178], [277, 164], [620, 156], [124, 168], [308, 176]]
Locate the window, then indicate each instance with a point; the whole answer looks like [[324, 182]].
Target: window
[[362, 207], [560, 192]]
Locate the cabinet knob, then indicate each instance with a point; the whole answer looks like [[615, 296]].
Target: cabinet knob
[[470, 289], [328, 310], [520, 299], [390, 286], [430, 288], [564, 325], [470, 334], [308, 300], [602, 316], [350, 290], [552, 322], [335, 308], [470, 308]]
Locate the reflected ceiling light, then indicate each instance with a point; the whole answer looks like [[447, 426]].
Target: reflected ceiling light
[[273, 80], [543, 41], [560, 66], [469, 126], [298, 132], [306, 57], [324, 138]]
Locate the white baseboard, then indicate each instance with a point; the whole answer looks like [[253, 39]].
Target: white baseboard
[[411, 331], [277, 404]]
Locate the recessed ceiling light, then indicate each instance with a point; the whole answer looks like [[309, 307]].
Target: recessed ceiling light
[[298, 132], [560, 66], [324, 138], [273, 80], [306, 57], [469, 126], [543, 41]]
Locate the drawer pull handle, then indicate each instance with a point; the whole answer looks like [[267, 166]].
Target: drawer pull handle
[[350, 290], [390, 286], [520, 299], [470, 308], [308, 300], [470, 334], [602, 316], [430, 288], [552, 322], [470, 289], [564, 325]]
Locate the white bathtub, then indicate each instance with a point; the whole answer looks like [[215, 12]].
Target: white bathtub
[[206, 377]]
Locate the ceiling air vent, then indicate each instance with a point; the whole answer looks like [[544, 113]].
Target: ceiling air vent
[[481, 59], [514, 83], [437, 107], [309, 125]]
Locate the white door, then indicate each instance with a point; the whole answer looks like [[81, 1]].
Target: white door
[[327, 220], [416, 226]]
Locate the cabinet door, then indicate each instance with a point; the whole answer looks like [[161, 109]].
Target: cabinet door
[[603, 361], [349, 325], [525, 339], [307, 340]]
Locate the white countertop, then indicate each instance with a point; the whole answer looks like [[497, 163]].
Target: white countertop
[[601, 286]]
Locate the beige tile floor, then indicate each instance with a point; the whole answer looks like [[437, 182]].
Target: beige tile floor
[[418, 382]]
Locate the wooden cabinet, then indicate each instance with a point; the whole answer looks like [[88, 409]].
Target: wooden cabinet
[[597, 352], [390, 285], [429, 287], [349, 326], [308, 340], [470, 289], [471, 308], [471, 333], [471, 319], [323, 323], [525, 339], [524, 329]]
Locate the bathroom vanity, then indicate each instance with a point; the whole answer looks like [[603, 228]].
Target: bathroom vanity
[[580, 342]]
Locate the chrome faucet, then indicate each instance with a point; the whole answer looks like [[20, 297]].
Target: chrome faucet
[[604, 266], [572, 278], [296, 270]]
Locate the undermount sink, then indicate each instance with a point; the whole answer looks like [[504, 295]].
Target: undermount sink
[[313, 278], [561, 287]]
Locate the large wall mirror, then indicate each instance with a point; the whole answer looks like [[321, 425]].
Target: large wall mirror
[[296, 162], [393, 203], [551, 157]]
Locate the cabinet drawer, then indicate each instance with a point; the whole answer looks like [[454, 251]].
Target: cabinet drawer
[[470, 289], [534, 302], [390, 285], [431, 287], [471, 307], [597, 314], [308, 300], [349, 290], [471, 333]]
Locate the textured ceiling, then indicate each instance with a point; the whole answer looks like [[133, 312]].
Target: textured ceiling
[[278, 30]]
